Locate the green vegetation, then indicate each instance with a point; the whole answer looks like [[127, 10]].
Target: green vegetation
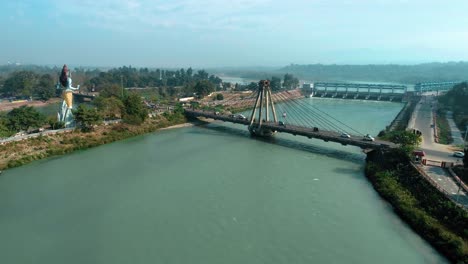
[[37, 81], [439, 220], [407, 139], [456, 100], [22, 119], [443, 128], [27, 84], [427, 210], [87, 117], [203, 88], [109, 107], [15, 154], [135, 112], [46, 88], [219, 96], [290, 82]]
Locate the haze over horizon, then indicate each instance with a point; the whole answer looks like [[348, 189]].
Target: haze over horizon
[[237, 33]]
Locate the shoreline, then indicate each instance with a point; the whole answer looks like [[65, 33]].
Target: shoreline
[[17, 153], [430, 214], [187, 124]]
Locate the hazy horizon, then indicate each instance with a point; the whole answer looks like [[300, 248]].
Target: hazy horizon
[[238, 33]]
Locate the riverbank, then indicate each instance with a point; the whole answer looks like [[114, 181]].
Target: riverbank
[[7, 106], [18, 153], [432, 215]]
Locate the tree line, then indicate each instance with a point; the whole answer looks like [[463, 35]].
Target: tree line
[[456, 100], [130, 108], [288, 82], [39, 82]]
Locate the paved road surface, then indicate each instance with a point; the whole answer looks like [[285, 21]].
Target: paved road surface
[[422, 120]]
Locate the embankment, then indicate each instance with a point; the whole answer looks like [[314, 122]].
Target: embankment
[[431, 214], [404, 116], [17, 153]]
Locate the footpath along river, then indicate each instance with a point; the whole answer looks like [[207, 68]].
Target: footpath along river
[[208, 194]]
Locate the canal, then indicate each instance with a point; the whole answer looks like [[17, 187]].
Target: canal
[[208, 194]]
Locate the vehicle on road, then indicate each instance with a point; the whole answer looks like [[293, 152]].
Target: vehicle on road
[[281, 123], [241, 116], [368, 137], [316, 129], [345, 135], [459, 154], [216, 113]]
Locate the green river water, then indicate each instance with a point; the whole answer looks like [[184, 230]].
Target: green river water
[[208, 194]]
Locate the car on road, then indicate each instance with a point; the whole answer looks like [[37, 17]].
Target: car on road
[[459, 154], [241, 116], [281, 123], [368, 137], [345, 135]]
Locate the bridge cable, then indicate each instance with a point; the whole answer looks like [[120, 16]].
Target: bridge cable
[[288, 102], [297, 118], [338, 121], [320, 121], [319, 117]]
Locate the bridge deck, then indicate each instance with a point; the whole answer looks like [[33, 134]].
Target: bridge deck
[[354, 140]]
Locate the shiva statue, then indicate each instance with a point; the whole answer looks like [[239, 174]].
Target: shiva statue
[[65, 83]]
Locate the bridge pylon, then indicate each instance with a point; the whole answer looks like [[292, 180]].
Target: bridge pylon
[[263, 104]]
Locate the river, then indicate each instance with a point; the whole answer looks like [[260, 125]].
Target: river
[[208, 194]]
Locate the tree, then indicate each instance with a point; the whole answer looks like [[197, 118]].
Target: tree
[[201, 75], [290, 82], [215, 80], [46, 88], [112, 90], [87, 117], [406, 139], [135, 111], [110, 107], [54, 123], [25, 117], [20, 84], [275, 83], [219, 97], [4, 129], [203, 88]]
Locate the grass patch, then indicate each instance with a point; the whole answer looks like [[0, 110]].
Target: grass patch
[[443, 128]]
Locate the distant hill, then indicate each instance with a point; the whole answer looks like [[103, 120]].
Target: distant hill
[[408, 74]]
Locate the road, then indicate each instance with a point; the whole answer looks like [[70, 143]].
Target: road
[[422, 120]]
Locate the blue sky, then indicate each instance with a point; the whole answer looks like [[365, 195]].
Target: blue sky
[[210, 33]]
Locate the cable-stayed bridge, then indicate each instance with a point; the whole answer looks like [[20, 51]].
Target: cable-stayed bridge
[[303, 119]]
